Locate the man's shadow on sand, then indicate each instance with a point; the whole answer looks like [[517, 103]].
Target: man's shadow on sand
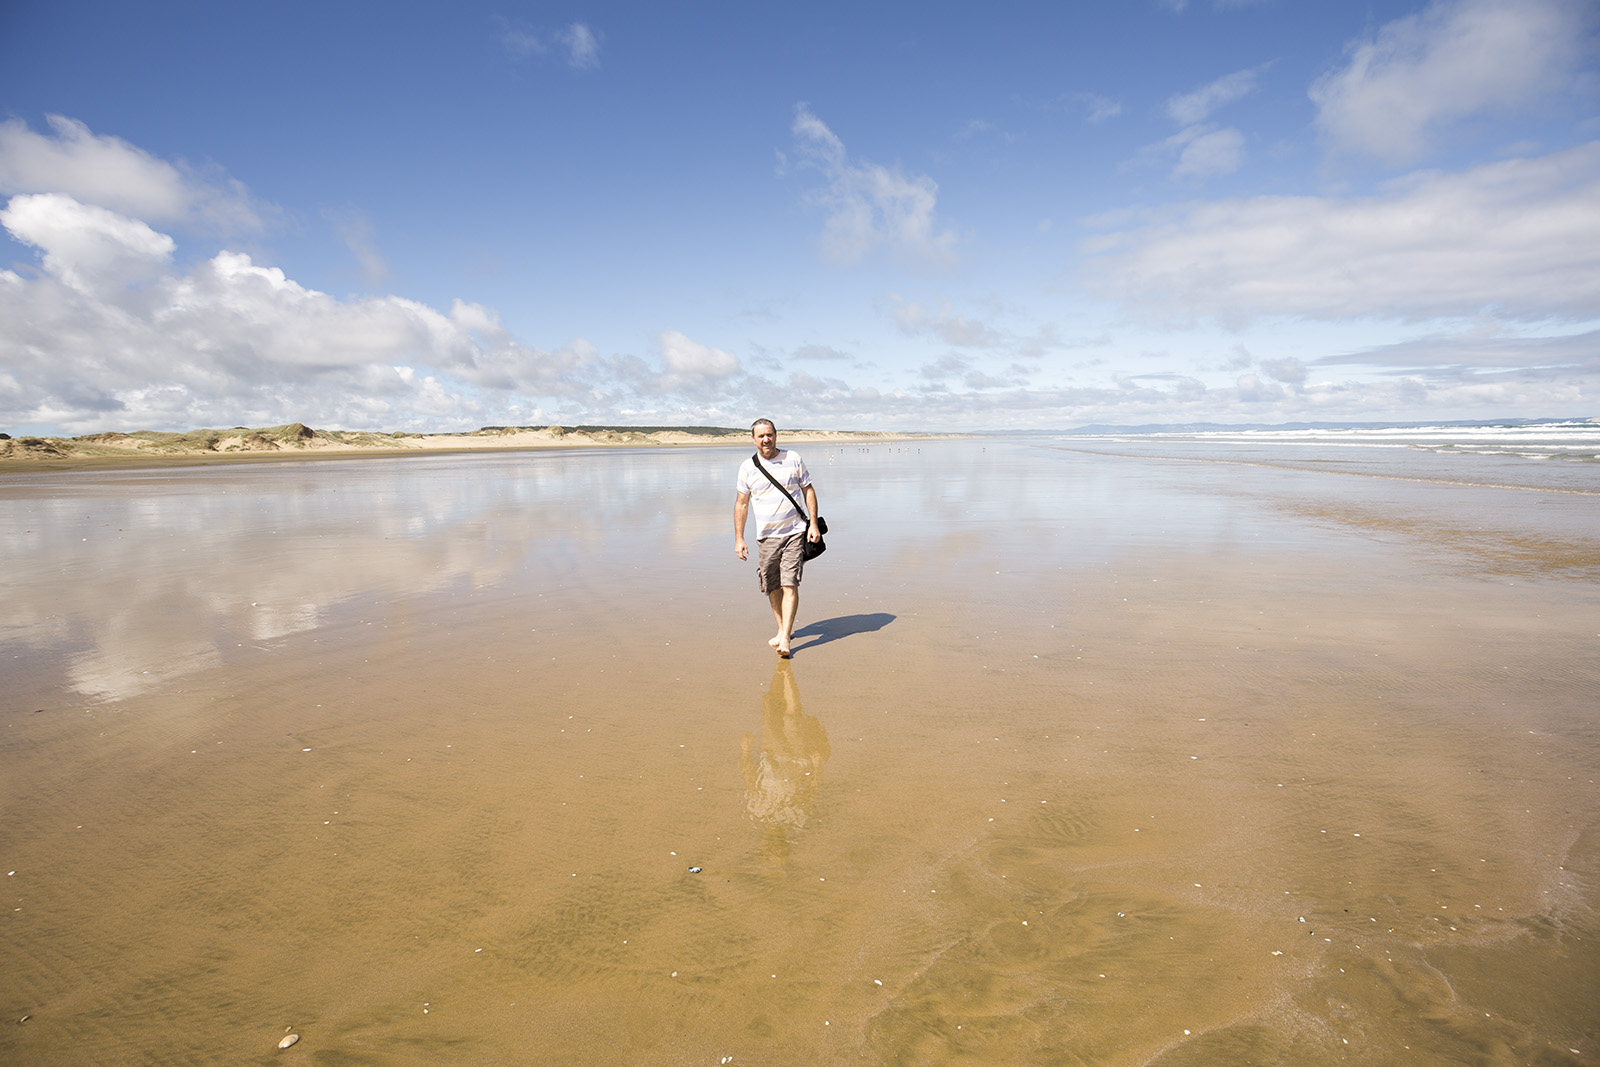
[[827, 630]]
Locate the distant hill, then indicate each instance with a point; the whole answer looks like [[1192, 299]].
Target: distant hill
[[698, 431], [296, 440]]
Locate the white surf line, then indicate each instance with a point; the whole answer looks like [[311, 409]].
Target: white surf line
[[1324, 470]]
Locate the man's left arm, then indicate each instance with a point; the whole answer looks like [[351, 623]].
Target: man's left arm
[[815, 532], [741, 510]]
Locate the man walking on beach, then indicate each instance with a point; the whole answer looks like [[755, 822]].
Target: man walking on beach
[[780, 529]]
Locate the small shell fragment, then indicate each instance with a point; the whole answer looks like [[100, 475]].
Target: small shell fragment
[[696, 870], [287, 1041]]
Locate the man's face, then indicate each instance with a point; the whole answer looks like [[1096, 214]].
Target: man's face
[[766, 440]]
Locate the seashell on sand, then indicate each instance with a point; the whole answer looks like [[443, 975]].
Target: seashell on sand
[[291, 1039]]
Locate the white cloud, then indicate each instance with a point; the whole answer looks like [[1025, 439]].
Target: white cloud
[[947, 367], [823, 353], [232, 341], [111, 173], [939, 372], [1518, 239], [1094, 108], [355, 230], [1252, 390], [1288, 370], [1463, 353], [1207, 153], [871, 207], [89, 248], [1458, 58], [914, 320], [1203, 149], [583, 47], [1178, 7], [577, 43], [1198, 105], [1174, 398], [520, 40], [1099, 108], [689, 361]]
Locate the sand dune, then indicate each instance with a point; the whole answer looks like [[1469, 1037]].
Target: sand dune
[[296, 440]]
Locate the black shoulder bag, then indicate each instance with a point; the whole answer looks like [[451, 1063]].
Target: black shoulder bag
[[809, 548]]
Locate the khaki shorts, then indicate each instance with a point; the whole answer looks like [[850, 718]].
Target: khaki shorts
[[780, 561]]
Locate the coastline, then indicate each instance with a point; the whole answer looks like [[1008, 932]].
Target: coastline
[[298, 442]]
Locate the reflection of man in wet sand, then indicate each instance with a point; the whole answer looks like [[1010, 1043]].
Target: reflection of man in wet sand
[[782, 782], [781, 531]]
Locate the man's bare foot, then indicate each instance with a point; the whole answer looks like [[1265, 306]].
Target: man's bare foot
[[775, 642], [784, 653]]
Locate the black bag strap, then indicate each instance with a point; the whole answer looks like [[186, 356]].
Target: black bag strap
[[756, 456]]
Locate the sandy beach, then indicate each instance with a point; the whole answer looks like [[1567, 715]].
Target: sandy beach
[[1082, 758]]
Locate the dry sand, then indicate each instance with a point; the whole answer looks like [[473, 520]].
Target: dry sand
[[1127, 767]]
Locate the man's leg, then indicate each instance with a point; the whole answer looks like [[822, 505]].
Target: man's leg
[[789, 603], [785, 599], [775, 598]]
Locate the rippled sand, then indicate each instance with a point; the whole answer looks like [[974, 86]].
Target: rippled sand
[[1080, 760]]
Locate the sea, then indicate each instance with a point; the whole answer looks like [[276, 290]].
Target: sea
[[1551, 456]]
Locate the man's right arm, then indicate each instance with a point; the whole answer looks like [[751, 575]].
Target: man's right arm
[[741, 511]]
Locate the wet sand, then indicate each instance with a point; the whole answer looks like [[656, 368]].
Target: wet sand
[[1081, 759]]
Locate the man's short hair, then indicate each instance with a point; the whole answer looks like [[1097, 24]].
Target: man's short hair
[[763, 422]]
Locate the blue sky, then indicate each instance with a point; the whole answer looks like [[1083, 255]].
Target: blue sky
[[894, 216]]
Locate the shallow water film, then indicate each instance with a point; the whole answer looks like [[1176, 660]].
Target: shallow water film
[[1083, 757]]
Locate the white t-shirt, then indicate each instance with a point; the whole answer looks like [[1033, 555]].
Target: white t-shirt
[[775, 516]]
